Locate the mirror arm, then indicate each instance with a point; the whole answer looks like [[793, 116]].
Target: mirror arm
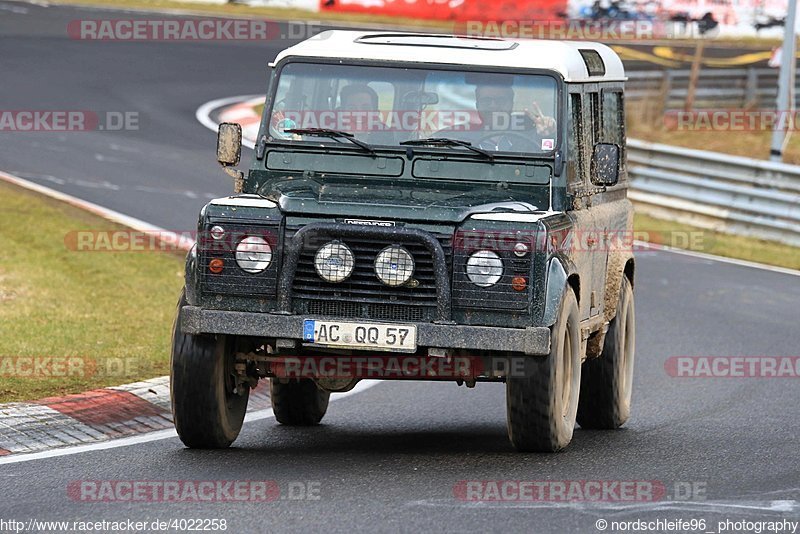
[[238, 178], [261, 147], [558, 167]]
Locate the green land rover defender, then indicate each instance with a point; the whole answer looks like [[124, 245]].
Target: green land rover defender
[[418, 207]]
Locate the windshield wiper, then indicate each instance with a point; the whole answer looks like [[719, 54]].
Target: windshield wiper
[[333, 134], [446, 141]]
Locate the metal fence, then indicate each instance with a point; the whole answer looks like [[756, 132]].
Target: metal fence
[[716, 88], [729, 193]]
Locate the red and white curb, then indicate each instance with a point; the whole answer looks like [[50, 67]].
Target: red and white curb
[[94, 416], [238, 109], [245, 115]]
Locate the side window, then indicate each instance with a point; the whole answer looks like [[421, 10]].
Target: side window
[[591, 132], [614, 121], [594, 119], [577, 166]]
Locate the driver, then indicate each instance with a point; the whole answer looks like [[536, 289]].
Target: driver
[[502, 129]]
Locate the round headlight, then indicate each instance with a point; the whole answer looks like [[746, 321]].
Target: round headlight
[[484, 268], [394, 266], [334, 262], [253, 254]]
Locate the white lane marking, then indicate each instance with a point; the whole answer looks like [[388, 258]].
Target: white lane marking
[[203, 115], [39, 3], [778, 506], [14, 9], [105, 184], [720, 259], [158, 435], [111, 215]]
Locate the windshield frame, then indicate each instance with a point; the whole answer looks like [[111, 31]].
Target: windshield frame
[[421, 149]]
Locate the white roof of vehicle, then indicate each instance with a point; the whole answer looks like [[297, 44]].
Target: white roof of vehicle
[[560, 56]]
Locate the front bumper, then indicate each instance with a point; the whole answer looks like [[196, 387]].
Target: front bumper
[[531, 340]]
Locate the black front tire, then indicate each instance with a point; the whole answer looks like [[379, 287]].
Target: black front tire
[[207, 409], [541, 405], [607, 381], [299, 402]]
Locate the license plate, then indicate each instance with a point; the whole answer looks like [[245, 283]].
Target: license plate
[[402, 338]]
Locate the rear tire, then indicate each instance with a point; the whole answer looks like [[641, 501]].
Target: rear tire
[[607, 381], [541, 405], [299, 402], [207, 412]]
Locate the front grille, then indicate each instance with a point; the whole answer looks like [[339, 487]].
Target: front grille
[[358, 310], [363, 286]]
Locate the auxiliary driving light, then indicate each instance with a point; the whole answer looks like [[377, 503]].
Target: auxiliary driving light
[[334, 262], [253, 254], [394, 266], [484, 268]]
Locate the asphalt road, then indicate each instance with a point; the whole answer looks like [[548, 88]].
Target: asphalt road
[[387, 459]]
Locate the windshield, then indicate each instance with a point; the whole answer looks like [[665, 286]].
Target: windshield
[[385, 106]]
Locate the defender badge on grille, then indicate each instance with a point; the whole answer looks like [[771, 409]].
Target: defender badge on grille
[[364, 222]]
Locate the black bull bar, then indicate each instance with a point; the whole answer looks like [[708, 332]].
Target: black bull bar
[[392, 234]]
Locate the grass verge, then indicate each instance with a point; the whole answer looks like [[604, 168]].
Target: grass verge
[[688, 237], [102, 318]]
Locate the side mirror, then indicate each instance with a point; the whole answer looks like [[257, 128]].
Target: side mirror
[[605, 164], [229, 144]]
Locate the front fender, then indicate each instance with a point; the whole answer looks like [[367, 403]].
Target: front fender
[[190, 276], [556, 283]]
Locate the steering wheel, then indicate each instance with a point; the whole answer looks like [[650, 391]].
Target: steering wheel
[[496, 140]]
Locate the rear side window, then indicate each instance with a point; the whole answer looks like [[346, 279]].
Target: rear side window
[[613, 118], [577, 164]]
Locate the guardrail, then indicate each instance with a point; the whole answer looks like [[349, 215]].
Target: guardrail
[[717, 191], [748, 87]]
